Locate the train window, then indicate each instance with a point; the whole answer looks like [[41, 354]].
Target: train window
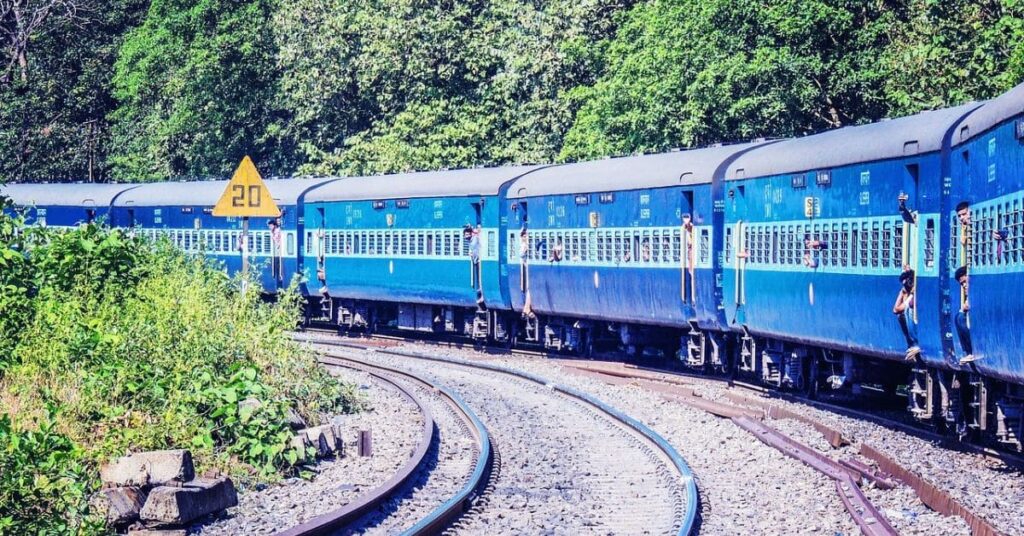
[[897, 245], [929, 243], [357, 244], [492, 244], [1016, 228], [775, 245], [833, 246], [864, 241], [447, 248], [265, 238], [617, 247], [645, 247], [585, 241], [728, 244], [576, 251], [656, 246], [636, 247], [844, 245], [513, 248], [677, 246], [290, 244], [430, 244], [886, 244], [464, 245], [705, 245], [601, 256], [875, 244]]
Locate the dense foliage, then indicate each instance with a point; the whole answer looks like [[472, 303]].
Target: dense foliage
[[145, 90], [112, 343]]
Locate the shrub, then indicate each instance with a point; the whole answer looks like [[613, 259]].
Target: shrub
[[146, 347]]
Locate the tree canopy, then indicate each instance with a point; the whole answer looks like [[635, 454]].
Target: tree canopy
[[159, 89]]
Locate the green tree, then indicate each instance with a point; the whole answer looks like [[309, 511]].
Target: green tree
[[53, 108], [193, 85], [691, 72]]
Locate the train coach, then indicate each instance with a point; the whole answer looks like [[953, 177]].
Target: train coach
[[183, 212], [56, 205], [622, 249], [415, 251]]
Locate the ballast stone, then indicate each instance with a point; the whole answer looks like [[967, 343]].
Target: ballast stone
[[168, 505], [155, 468]]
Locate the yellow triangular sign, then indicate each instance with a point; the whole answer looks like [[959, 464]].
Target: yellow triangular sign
[[246, 195]]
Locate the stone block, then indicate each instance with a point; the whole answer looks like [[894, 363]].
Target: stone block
[[120, 505], [153, 468], [322, 438], [157, 532], [175, 506]]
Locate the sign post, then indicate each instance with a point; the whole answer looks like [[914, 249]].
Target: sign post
[[245, 196]]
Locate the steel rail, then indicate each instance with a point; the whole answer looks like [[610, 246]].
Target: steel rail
[[687, 522], [442, 516]]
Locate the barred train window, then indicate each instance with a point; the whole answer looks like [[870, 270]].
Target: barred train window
[[897, 245], [705, 246], [833, 245], [886, 244], [875, 244], [929, 243], [677, 246], [728, 244], [844, 245]]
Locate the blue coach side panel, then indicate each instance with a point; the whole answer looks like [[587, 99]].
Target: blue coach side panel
[[399, 238], [64, 205], [626, 255], [182, 211], [815, 240], [988, 174]]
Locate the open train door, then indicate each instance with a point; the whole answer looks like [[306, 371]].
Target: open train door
[[740, 236], [687, 259]]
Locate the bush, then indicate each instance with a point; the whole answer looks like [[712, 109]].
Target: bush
[[44, 484], [145, 347]]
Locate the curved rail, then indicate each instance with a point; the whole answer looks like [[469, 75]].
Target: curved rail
[[447, 512], [689, 519]]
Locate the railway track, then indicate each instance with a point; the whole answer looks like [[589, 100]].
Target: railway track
[[747, 405], [397, 493], [605, 472]]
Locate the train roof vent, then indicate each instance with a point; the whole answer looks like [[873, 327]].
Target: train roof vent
[[910, 147]]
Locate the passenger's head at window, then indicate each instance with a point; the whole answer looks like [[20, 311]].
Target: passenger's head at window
[[961, 276], [272, 224], [963, 212], [907, 280]]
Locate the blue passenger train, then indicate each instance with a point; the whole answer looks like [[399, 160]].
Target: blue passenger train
[[867, 257]]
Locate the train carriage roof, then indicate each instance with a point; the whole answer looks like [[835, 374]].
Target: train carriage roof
[[453, 183], [207, 193], [895, 138], [694, 166], [64, 195], [1002, 108]]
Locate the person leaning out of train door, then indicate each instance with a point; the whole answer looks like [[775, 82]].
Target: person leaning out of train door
[[963, 329], [904, 311]]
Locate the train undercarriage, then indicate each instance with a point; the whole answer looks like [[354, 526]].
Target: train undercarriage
[[964, 405]]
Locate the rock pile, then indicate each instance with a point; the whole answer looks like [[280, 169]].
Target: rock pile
[[326, 439], [157, 493]]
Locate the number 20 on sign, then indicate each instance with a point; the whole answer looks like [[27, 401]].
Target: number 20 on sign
[[246, 195]]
